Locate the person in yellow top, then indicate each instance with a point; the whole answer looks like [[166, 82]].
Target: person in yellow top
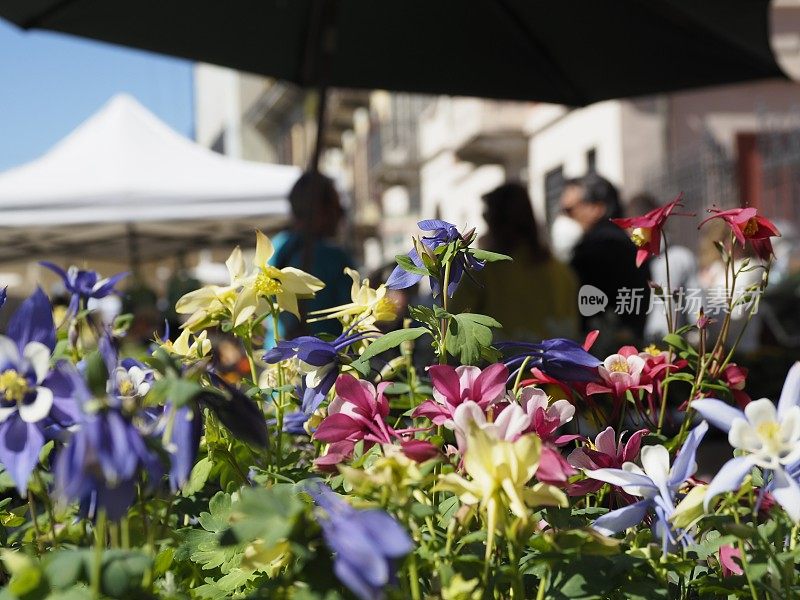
[[534, 296]]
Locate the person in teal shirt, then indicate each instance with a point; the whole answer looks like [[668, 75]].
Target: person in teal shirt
[[307, 245]]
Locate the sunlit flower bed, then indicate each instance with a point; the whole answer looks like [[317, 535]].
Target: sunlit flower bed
[[340, 469]]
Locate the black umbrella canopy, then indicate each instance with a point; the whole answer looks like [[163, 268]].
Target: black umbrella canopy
[[571, 52]]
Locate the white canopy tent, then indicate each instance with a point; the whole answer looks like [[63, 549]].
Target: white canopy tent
[[124, 185]]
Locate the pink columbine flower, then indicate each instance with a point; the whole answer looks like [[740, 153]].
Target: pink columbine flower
[[454, 386], [357, 412], [727, 553], [621, 372], [606, 453], [747, 224], [645, 231], [735, 378]]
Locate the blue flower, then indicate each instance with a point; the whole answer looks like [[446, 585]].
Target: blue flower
[[558, 357], [657, 484], [365, 542], [102, 463], [83, 285], [768, 437], [32, 396], [320, 362], [441, 233]]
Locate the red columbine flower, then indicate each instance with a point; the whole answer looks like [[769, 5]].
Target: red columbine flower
[[747, 224], [645, 231]]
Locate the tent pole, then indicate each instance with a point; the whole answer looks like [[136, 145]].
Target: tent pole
[[134, 258]]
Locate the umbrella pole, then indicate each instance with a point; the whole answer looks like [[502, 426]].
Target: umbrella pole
[[320, 47], [322, 105]]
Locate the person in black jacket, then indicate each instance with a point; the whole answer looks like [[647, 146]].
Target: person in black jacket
[[606, 258]]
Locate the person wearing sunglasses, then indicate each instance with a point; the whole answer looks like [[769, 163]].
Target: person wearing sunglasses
[[605, 257]]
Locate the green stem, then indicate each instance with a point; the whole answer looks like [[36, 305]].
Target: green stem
[[279, 401], [445, 322], [99, 546], [48, 506], [35, 521], [519, 375], [542, 586], [745, 562], [413, 577]]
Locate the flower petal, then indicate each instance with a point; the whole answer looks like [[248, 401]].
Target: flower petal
[[790, 394], [37, 410], [264, 250], [622, 518], [787, 492], [761, 411], [729, 478], [33, 322], [20, 443], [655, 462], [621, 478], [685, 465], [38, 357], [717, 412]]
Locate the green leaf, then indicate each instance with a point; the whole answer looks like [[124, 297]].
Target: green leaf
[[268, 514], [387, 342], [198, 476], [488, 256], [469, 335], [408, 265], [96, 373]]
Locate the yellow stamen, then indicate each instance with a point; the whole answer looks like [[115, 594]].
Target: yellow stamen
[[750, 227], [126, 387], [268, 282], [653, 350], [14, 386], [769, 431], [640, 236], [619, 366]]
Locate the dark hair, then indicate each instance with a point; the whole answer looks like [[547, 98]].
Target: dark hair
[[312, 192], [599, 190], [511, 222]]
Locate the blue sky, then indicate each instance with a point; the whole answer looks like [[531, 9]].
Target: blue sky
[[50, 83]]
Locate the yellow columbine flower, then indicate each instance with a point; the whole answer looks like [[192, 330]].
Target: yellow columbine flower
[[499, 472], [247, 291], [199, 347], [690, 508], [286, 285], [212, 303], [368, 305]]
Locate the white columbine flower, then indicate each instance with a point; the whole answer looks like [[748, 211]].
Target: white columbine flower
[[769, 438]]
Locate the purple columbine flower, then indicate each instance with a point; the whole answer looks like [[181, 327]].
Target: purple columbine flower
[[558, 357], [320, 362], [83, 285], [768, 438], [441, 232], [32, 396], [657, 484], [102, 463], [365, 542]]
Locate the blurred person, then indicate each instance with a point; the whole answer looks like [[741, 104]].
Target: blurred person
[[682, 274], [713, 281], [316, 215], [534, 295], [605, 258]]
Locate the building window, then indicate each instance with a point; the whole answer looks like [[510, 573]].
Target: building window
[[591, 160], [553, 186]]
